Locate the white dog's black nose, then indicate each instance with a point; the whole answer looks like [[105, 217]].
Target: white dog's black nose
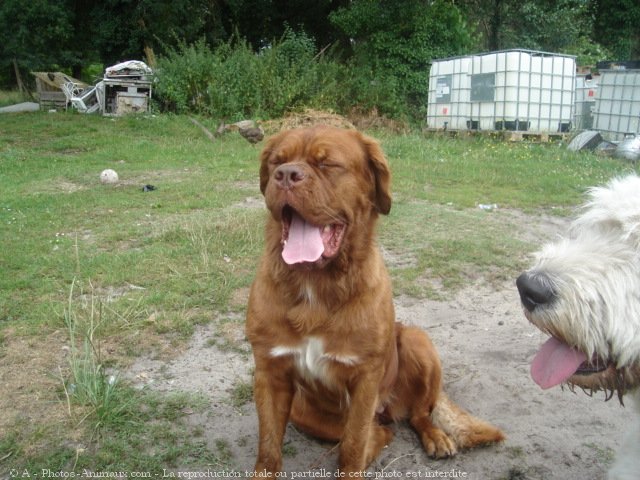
[[535, 290]]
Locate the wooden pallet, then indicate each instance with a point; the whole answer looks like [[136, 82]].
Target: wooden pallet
[[536, 137], [505, 135], [50, 100]]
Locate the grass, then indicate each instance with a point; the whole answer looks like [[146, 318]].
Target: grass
[[110, 425], [190, 232], [137, 267], [12, 97], [480, 170], [242, 394], [89, 384], [149, 435], [602, 454], [116, 272], [438, 238], [442, 248]]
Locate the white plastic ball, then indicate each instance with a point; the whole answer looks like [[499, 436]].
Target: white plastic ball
[[109, 176]]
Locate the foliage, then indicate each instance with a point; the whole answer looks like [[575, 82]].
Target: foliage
[[550, 26], [234, 82], [259, 21], [587, 52], [69, 35], [545, 27], [380, 50], [11, 97], [593, 30], [34, 49], [149, 24], [617, 27], [395, 42]]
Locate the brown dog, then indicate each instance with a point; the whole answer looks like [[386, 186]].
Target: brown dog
[[328, 353]]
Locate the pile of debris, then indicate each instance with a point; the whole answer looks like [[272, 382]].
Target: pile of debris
[[50, 87], [254, 133], [307, 118], [627, 149], [125, 88]]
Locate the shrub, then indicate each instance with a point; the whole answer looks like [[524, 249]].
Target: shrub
[[183, 74], [233, 82]]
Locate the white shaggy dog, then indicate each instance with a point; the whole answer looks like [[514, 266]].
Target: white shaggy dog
[[584, 291]]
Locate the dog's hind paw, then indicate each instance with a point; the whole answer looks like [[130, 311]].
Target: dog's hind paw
[[437, 444]]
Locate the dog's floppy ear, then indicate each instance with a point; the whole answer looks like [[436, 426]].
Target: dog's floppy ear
[[380, 168], [265, 155]]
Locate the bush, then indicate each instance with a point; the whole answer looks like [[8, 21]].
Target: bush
[[234, 82], [183, 75], [375, 92]]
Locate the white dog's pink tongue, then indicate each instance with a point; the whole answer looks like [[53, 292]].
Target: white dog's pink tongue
[[555, 362], [304, 243]]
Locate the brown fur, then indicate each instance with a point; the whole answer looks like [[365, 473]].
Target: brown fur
[[328, 353]]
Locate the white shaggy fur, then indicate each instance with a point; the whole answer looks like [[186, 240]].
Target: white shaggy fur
[[590, 300]]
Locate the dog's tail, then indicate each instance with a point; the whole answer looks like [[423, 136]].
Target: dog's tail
[[463, 428]]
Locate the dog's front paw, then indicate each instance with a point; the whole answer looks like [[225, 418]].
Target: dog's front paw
[[381, 436]]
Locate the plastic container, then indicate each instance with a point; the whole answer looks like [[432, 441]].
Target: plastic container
[[617, 109], [586, 91], [449, 92], [629, 149], [520, 90]]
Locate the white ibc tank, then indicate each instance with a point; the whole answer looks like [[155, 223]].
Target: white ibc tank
[[585, 102], [617, 109], [508, 90], [449, 92]]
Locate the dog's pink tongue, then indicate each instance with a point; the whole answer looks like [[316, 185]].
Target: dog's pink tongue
[[555, 362], [304, 243]]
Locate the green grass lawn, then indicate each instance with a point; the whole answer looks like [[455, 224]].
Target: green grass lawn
[[184, 246], [136, 270]]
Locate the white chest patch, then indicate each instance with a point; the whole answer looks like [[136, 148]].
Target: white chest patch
[[312, 361], [308, 294]]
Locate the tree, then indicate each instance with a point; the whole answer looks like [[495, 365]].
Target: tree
[[70, 34], [617, 26], [263, 21], [565, 26], [35, 35], [125, 29], [397, 39]]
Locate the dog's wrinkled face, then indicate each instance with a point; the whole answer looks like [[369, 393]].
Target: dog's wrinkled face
[[584, 291], [324, 186]]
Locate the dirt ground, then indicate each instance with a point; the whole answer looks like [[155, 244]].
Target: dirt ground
[[486, 346]]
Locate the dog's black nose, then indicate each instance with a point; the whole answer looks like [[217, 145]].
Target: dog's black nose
[[534, 290], [288, 175]]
